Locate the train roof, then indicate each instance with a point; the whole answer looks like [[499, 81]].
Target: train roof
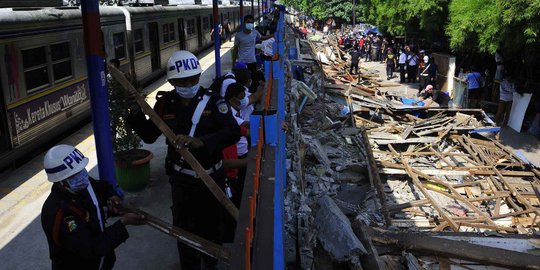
[[36, 15], [50, 14]]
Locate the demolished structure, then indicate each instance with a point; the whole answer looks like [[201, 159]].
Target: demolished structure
[[377, 184]]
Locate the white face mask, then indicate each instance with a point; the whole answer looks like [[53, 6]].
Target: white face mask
[[187, 92], [244, 103]]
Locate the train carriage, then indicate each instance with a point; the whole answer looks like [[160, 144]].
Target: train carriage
[[43, 80]]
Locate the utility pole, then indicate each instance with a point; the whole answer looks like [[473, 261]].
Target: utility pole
[[353, 13]]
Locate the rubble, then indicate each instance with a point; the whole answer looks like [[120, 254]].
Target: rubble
[[360, 154], [335, 233]]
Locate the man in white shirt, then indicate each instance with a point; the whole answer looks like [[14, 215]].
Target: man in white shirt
[[412, 66], [402, 63]]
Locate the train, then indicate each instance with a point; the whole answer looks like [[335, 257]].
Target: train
[[43, 80]]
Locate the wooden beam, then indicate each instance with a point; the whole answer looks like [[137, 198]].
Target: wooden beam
[[171, 136], [419, 185], [457, 249], [398, 207]]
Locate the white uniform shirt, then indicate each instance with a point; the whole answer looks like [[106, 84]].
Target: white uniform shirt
[[242, 144], [247, 111], [402, 59]]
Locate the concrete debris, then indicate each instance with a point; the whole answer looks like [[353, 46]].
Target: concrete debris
[[360, 154], [335, 233]]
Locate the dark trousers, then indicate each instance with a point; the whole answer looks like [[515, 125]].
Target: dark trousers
[[254, 77], [196, 210], [389, 71], [401, 73], [411, 73], [355, 66]]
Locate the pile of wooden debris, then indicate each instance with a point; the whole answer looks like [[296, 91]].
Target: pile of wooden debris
[[384, 185]]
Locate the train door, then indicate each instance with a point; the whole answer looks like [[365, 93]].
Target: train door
[[199, 32], [153, 35], [4, 133], [182, 34]]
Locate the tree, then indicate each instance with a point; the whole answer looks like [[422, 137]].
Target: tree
[[397, 17], [489, 25]]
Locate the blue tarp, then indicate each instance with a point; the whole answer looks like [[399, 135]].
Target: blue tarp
[[375, 31]]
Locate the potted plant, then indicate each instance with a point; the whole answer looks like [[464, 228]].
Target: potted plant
[[132, 164]]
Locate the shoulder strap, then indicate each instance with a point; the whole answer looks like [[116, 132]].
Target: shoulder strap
[[197, 114], [56, 227], [58, 221]]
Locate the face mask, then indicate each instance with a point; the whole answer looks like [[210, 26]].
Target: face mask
[[187, 92], [78, 182], [250, 26], [244, 102]]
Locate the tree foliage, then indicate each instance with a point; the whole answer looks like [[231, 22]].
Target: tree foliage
[[490, 25], [477, 25]]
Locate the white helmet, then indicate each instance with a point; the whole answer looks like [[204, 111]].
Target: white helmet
[[183, 64], [63, 161]]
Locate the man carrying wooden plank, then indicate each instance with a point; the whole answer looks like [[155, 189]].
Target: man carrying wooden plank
[[203, 122]]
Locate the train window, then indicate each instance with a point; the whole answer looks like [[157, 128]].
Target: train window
[[171, 31], [168, 32], [61, 61], [138, 41], [206, 23], [191, 27], [119, 42], [35, 68]]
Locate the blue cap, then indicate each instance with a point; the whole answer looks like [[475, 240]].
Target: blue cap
[[240, 65]]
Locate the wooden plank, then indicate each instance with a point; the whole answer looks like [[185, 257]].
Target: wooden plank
[[218, 193], [457, 249], [406, 132], [374, 176], [456, 196], [371, 259], [194, 241], [407, 141], [419, 185], [398, 207]]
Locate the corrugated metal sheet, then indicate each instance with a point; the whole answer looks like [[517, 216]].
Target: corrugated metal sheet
[[30, 3]]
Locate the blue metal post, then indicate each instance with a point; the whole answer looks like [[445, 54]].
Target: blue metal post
[[242, 15], [98, 91], [217, 39], [280, 169]]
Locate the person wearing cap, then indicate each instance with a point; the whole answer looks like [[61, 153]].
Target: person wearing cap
[[230, 77], [431, 95], [73, 216], [203, 122]]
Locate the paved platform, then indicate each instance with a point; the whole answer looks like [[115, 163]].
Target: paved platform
[[23, 244]]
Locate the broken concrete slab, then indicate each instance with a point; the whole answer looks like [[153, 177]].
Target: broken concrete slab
[[335, 232]]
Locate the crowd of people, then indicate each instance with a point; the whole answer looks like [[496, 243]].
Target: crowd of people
[[213, 123], [418, 66]]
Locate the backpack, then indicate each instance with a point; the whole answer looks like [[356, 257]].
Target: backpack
[[218, 82]]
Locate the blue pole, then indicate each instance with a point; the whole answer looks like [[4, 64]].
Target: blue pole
[[241, 15], [217, 39], [98, 91], [280, 169]]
